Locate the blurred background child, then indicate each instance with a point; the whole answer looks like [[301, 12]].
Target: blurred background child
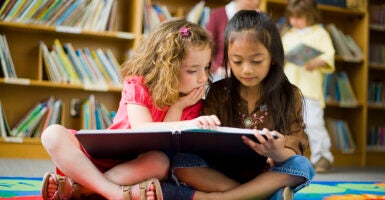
[[304, 17]]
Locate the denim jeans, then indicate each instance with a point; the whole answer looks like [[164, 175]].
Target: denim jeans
[[296, 165]]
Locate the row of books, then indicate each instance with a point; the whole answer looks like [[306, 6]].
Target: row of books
[[345, 45], [376, 92], [353, 4], [33, 122], [154, 14], [95, 115], [377, 16], [377, 54], [199, 14], [337, 88], [64, 63], [7, 67], [376, 138], [95, 15], [340, 135]]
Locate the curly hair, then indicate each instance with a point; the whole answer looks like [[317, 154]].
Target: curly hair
[[158, 58]]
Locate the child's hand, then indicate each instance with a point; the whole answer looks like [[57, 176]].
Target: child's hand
[[269, 147], [191, 98], [207, 122], [314, 64]]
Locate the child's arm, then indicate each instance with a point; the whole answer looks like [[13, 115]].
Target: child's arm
[[140, 117]]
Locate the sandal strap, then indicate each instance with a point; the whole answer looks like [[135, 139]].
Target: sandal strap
[[61, 181]]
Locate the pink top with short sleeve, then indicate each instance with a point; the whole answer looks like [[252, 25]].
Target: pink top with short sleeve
[[135, 92]]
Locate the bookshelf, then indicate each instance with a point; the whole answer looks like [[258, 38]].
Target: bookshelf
[[354, 22], [19, 95], [376, 81]]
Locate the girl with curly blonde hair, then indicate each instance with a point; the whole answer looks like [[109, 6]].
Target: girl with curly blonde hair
[[163, 85]]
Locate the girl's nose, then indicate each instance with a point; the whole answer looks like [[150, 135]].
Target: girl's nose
[[203, 77], [247, 68]]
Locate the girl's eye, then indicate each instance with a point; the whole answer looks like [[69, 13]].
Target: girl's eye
[[191, 71], [257, 61], [237, 62]]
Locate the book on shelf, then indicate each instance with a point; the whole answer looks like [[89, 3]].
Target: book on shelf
[[337, 88], [4, 127], [340, 135], [95, 115], [301, 54], [344, 44], [339, 3], [65, 60], [30, 120], [195, 14], [8, 68], [123, 143], [37, 118], [61, 9]]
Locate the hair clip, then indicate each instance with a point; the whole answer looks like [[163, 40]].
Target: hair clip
[[185, 32]]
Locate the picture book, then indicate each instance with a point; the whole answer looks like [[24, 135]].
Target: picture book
[[301, 54], [129, 143]]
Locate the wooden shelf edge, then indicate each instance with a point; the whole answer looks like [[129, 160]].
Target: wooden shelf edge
[[49, 84], [69, 30], [30, 148]]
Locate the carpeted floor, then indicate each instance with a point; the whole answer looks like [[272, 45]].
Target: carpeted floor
[[23, 188]]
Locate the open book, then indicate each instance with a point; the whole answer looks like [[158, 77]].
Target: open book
[[301, 54], [128, 143]]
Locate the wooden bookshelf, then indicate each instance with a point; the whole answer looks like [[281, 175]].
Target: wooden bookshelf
[[18, 96]]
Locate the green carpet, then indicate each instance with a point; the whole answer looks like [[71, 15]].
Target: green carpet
[[23, 188]]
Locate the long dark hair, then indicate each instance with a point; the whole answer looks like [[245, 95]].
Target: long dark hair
[[276, 91]]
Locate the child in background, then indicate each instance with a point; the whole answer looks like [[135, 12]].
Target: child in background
[[164, 83], [217, 24], [304, 17], [257, 95]]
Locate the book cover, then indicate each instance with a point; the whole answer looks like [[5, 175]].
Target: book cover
[[301, 54], [125, 143], [4, 127]]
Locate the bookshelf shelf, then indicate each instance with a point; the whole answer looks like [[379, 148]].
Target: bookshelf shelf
[[48, 84]]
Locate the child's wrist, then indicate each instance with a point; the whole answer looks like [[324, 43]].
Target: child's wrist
[[281, 156]]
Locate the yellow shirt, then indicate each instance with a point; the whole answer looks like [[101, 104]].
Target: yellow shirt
[[310, 82]]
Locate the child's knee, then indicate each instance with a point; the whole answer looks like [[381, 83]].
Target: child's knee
[[158, 161], [51, 136]]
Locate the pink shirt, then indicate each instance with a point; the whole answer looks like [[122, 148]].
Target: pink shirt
[[135, 92]]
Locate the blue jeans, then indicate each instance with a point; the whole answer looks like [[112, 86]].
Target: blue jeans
[[296, 165]]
